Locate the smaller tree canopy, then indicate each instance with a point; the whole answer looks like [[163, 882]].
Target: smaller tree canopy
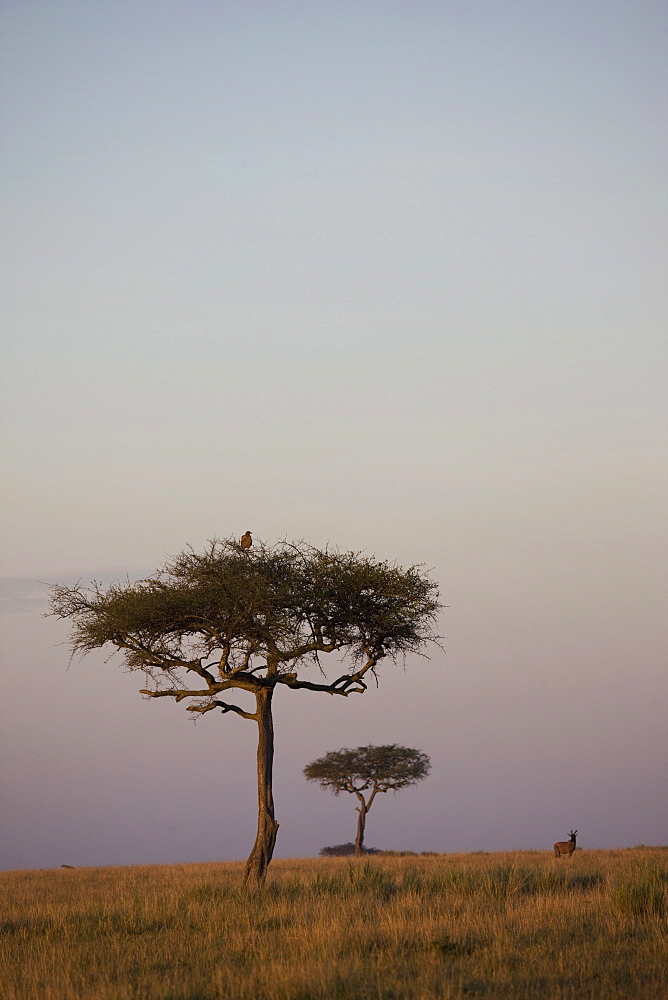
[[370, 769], [383, 769]]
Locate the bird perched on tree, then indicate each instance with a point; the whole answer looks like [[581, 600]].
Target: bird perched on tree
[[246, 540]]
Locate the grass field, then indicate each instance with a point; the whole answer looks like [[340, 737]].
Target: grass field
[[516, 925]]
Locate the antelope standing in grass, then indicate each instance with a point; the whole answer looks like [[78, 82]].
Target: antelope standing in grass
[[565, 846]]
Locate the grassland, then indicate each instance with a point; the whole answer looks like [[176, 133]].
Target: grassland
[[518, 925]]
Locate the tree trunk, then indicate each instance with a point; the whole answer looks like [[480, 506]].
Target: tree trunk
[[361, 821], [267, 827]]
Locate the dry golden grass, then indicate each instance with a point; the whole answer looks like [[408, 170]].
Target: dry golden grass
[[519, 925]]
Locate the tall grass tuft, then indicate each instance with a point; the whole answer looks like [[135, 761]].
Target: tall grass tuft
[[643, 893]]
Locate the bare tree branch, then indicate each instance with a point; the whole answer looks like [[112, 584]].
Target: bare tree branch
[[224, 706], [177, 695]]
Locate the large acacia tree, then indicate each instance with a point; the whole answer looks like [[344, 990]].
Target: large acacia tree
[[370, 769], [230, 619]]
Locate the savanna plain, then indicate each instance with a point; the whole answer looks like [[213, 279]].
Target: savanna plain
[[382, 927]]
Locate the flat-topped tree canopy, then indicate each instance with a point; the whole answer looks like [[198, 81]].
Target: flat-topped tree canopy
[[386, 768], [269, 610], [255, 618]]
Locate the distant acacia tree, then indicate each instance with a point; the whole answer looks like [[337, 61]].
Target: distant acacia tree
[[255, 620], [368, 769]]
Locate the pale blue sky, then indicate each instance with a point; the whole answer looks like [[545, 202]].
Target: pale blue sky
[[390, 275]]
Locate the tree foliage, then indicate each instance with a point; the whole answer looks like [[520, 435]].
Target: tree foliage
[[258, 613], [255, 620], [382, 768]]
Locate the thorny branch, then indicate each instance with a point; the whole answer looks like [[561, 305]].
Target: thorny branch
[[224, 706]]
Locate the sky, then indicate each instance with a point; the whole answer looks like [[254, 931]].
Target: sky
[[388, 276]]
